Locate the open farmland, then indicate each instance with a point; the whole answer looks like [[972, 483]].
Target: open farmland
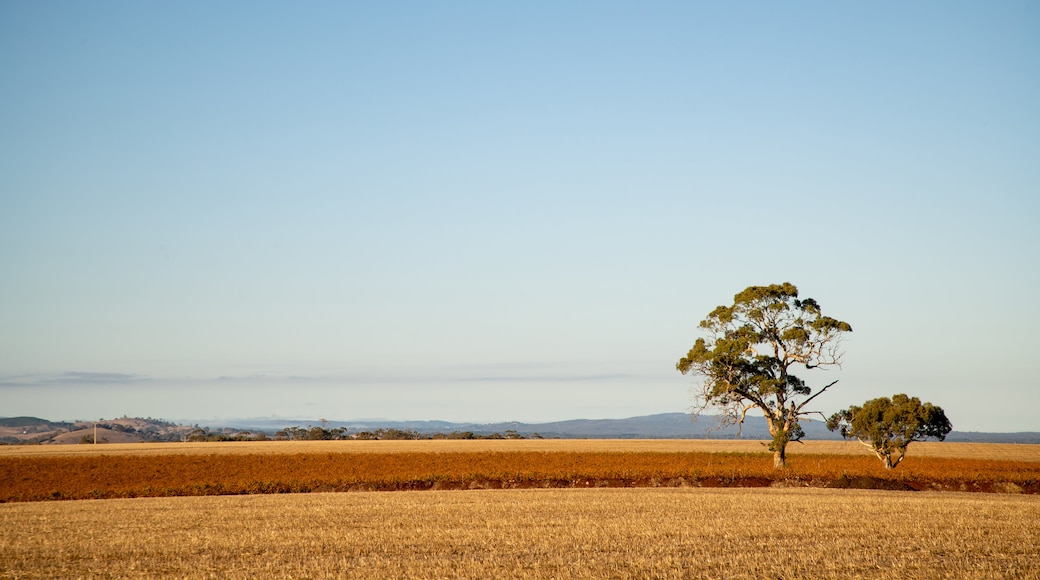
[[35, 473], [531, 509], [544, 533], [1002, 451], [998, 451]]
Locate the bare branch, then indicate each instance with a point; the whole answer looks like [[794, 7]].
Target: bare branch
[[817, 394], [866, 444], [743, 415]]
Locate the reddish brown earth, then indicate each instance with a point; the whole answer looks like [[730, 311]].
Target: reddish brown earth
[[45, 477]]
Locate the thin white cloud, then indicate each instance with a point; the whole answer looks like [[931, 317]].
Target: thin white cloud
[[73, 378], [265, 378], [545, 378]]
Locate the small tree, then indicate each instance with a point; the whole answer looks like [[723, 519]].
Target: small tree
[[750, 354], [888, 426]]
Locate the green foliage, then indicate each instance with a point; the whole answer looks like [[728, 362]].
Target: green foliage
[[455, 435], [750, 353], [390, 433], [296, 433], [888, 426], [199, 435]]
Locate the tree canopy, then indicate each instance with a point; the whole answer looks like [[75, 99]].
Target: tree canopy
[[751, 352], [888, 426]]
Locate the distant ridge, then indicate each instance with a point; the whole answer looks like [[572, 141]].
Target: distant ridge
[[29, 422], [659, 426], [37, 431], [14, 430]]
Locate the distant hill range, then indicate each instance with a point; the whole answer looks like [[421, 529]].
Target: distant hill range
[[660, 426], [33, 430]]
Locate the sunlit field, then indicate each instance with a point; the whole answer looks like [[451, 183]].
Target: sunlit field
[[70, 472], [601, 533], [517, 509], [999, 451]]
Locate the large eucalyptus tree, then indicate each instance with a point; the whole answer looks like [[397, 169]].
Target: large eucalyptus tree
[[752, 350]]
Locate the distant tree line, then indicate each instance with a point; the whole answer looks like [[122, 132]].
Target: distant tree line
[[159, 430], [386, 434], [204, 434], [296, 433]]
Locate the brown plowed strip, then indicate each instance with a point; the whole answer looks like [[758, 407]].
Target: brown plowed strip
[[36, 478]]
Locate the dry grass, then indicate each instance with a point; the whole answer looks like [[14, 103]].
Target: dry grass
[[609, 533], [987, 451]]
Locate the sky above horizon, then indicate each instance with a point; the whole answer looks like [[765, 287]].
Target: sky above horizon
[[486, 212]]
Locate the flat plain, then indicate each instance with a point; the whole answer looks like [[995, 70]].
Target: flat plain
[[998, 451], [555, 509], [531, 533]]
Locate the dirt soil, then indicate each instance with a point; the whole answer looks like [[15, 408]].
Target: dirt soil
[[105, 472]]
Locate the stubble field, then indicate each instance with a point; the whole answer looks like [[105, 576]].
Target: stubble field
[[597, 527], [553, 533]]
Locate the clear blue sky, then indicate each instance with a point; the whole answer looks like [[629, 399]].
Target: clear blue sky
[[493, 211]]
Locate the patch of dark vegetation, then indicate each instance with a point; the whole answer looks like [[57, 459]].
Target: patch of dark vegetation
[[31, 422], [260, 488], [866, 482]]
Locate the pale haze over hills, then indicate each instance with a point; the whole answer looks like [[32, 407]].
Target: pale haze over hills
[[508, 212], [32, 430]]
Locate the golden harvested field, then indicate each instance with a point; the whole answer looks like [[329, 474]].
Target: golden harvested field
[[550, 533], [642, 509], [987, 451]]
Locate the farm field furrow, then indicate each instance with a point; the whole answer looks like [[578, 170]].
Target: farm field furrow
[[118, 475], [602, 533]]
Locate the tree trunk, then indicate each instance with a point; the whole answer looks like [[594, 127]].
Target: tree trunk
[[780, 430], [894, 462], [890, 457]]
